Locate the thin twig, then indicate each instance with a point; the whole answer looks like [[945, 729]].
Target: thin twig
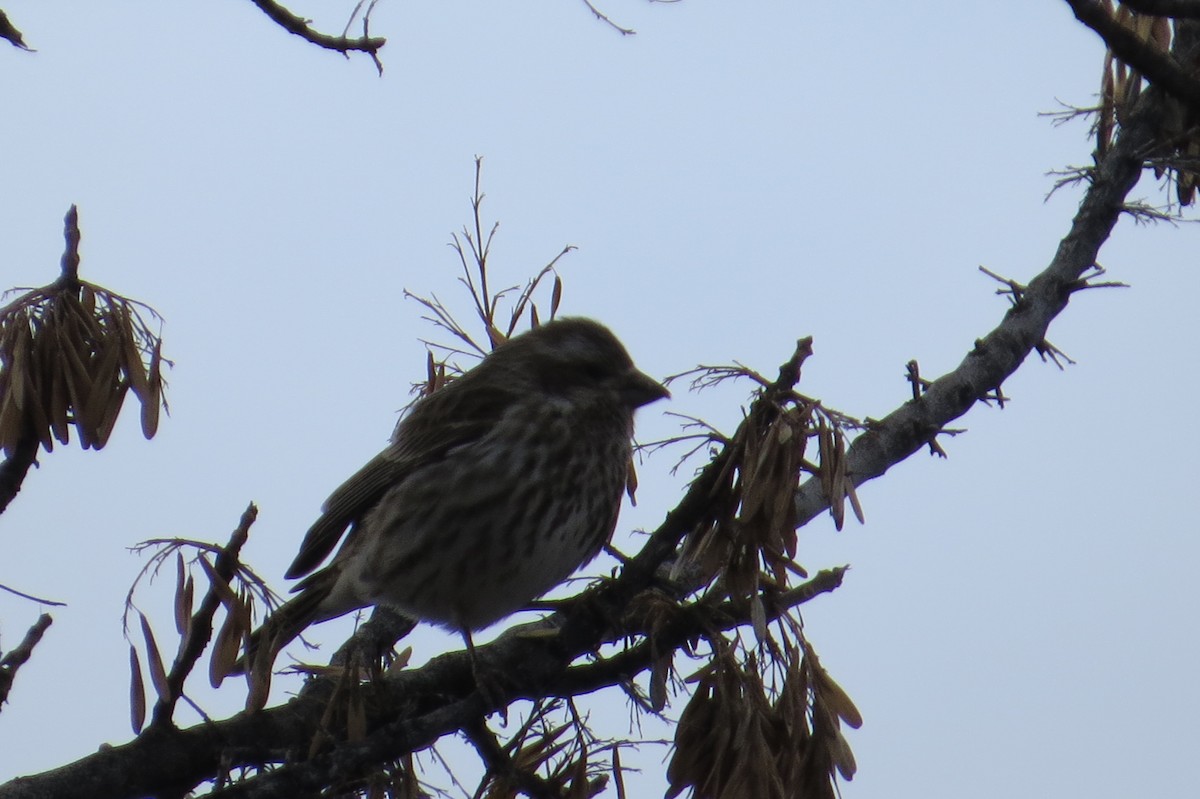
[[32, 598], [342, 44], [16, 658]]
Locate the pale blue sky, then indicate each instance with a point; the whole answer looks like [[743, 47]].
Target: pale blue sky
[[1019, 619]]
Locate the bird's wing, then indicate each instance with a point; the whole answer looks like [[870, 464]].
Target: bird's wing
[[442, 421]]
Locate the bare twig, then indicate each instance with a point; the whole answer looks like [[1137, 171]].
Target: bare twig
[[342, 44], [998, 354], [31, 597], [9, 31], [15, 658], [199, 631], [604, 18]]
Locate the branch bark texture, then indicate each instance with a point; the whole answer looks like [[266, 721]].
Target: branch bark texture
[[1002, 351]]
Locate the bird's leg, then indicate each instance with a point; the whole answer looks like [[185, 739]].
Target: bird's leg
[[488, 681]]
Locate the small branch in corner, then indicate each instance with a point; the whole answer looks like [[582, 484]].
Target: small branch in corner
[[13, 660], [371, 45], [9, 31], [600, 15]]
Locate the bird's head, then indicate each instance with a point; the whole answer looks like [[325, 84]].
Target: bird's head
[[572, 354]]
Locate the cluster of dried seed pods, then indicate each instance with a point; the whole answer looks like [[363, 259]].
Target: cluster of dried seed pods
[[69, 352], [1121, 86], [736, 739], [749, 538]]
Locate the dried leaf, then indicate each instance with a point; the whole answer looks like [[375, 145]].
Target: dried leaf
[[580, 785], [556, 296], [158, 674], [109, 420], [758, 617], [843, 758], [660, 672], [692, 761], [183, 596], [225, 649], [631, 482], [258, 676], [154, 393], [105, 392], [78, 386], [11, 422], [18, 370], [131, 357], [854, 503], [495, 336], [57, 402], [137, 692], [545, 747], [224, 592], [401, 660], [838, 701]]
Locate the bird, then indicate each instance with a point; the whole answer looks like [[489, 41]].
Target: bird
[[492, 491]]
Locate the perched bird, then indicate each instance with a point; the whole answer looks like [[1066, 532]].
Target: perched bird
[[493, 490]]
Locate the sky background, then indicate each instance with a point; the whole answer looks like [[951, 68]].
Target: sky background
[[1019, 619]]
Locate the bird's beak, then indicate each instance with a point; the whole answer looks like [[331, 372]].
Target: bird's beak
[[640, 389]]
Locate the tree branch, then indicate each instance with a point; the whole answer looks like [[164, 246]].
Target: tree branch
[[9, 31], [300, 27], [1180, 9], [998, 354], [537, 671], [200, 627], [410, 710], [1158, 67], [14, 468], [16, 658]]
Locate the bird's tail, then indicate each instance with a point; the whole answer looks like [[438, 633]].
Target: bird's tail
[[280, 629]]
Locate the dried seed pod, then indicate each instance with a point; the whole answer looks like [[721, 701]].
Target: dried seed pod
[[131, 360], [104, 399], [137, 692], [837, 700], [183, 596], [158, 674], [556, 296], [153, 399], [225, 648], [11, 423], [68, 353]]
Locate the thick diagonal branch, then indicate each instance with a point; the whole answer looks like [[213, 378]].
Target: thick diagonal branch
[[998, 354]]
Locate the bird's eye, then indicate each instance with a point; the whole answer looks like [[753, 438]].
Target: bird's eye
[[594, 370]]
